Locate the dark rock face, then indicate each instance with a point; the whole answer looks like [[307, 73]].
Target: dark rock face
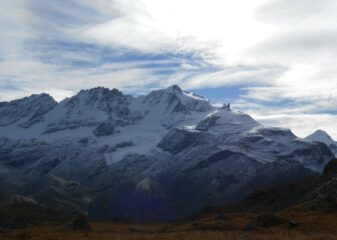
[[19, 153], [124, 144], [102, 99], [277, 198], [46, 166], [50, 173], [323, 197], [333, 148], [225, 173], [324, 193], [178, 140], [314, 192], [276, 132], [104, 129], [315, 154], [67, 125], [219, 157], [330, 169], [207, 123]]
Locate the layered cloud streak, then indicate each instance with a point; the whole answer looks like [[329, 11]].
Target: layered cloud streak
[[280, 54]]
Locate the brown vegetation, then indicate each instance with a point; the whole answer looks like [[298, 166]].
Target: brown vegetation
[[308, 226]]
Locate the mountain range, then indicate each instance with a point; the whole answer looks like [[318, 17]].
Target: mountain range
[[159, 156]]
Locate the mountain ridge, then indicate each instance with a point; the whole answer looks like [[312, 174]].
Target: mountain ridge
[[159, 156]]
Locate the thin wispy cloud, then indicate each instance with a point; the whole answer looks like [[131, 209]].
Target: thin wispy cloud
[[278, 57]]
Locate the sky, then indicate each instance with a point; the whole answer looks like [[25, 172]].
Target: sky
[[273, 59]]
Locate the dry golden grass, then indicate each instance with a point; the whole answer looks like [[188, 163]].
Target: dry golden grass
[[313, 226]]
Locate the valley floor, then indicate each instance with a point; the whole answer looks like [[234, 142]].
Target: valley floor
[[309, 226]]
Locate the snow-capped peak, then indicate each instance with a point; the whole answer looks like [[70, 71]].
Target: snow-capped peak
[[99, 91], [174, 100], [27, 111], [97, 95], [101, 99], [224, 118], [173, 89], [34, 98]]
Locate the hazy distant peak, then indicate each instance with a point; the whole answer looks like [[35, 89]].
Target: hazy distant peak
[[321, 136]]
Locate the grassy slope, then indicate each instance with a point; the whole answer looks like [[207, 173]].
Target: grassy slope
[[313, 225]]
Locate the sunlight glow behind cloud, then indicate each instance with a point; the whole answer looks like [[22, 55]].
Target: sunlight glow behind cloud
[[281, 54], [224, 26]]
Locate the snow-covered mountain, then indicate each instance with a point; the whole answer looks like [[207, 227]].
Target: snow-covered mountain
[[158, 156], [324, 137], [26, 111]]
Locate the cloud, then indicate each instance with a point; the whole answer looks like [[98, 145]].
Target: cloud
[[40, 77], [279, 54], [132, 31], [300, 118], [292, 13], [235, 75], [302, 124]]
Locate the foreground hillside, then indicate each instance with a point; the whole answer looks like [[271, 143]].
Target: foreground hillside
[[307, 226], [306, 210], [317, 192]]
